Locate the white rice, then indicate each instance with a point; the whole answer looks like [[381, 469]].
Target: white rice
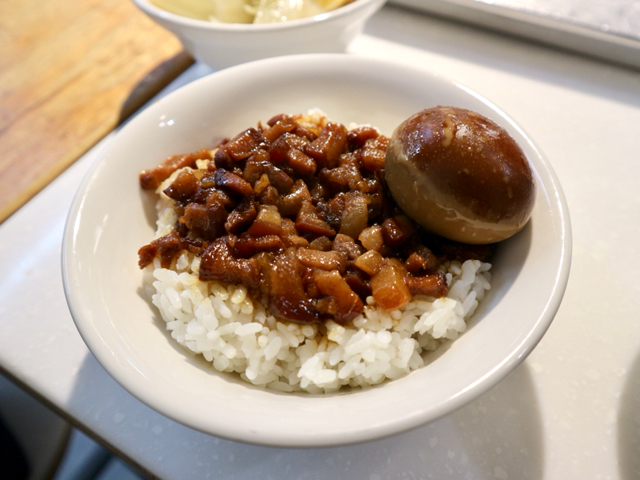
[[234, 333]]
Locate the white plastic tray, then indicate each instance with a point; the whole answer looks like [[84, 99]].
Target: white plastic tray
[[607, 29]]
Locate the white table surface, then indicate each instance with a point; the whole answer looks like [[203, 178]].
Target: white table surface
[[570, 411]]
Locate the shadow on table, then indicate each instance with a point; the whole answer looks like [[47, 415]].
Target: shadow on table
[[629, 425], [497, 436], [529, 59]]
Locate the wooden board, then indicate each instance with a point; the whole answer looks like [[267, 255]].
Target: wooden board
[[70, 71]]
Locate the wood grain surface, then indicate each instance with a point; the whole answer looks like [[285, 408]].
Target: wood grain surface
[[70, 71]]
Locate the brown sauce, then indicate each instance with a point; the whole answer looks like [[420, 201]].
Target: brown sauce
[[302, 217]]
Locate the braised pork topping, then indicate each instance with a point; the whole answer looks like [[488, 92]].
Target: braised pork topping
[[300, 215]]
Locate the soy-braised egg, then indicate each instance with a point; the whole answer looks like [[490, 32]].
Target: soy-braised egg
[[460, 175]]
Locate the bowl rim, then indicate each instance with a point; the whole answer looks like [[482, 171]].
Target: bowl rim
[[517, 352], [156, 12]]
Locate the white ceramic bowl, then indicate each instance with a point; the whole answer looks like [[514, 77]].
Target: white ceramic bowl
[[221, 45], [111, 218]]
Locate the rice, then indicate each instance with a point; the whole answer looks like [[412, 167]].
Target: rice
[[235, 333]]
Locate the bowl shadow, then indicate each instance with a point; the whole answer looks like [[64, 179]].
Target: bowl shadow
[[499, 435], [628, 422]]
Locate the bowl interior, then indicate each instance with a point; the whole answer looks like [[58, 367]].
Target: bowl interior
[[111, 218]]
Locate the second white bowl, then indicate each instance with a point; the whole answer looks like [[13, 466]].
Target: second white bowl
[[222, 45]]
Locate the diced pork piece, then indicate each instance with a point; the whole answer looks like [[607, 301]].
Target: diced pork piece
[[421, 260], [331, 210], [371, 238], [370, 262], [397, 230], [327, 148], [259, 165], [348, 304], [372, 154], [331, 260], [184, 187], [232, 182], [278, 117], [242, 216], [268, 222], [221, 159], [290, 235], [340, 179], [244, 145], [308, 221], [167, 248], [434, 285], [346, 244], [219, 263], [287, 296], [358, 281], [324, 244], [151, 179], [355, 215], [279, 125], [265, 193], [207, 220], [279, 148], [388, 287], [290, 204], [307, 133], [302, 163], [358, 136], [247, 245]]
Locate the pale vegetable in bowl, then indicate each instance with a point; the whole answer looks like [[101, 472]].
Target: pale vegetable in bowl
[[249, 11]]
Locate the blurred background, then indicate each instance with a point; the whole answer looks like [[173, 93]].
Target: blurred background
[[48, 447]]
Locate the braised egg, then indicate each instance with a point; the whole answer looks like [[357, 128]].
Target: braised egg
[[460, 175]]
